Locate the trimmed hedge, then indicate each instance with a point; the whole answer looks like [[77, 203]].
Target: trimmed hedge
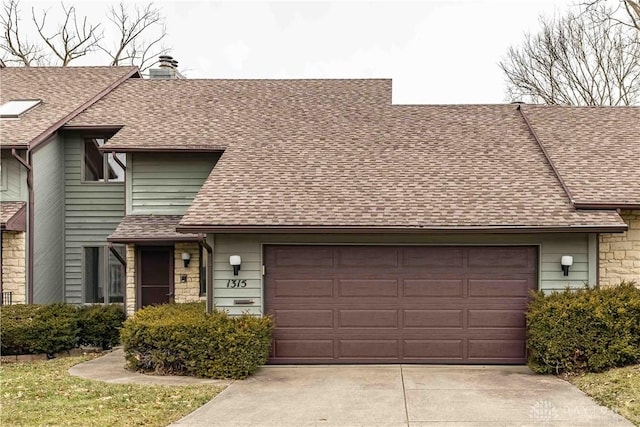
[[33, 329], [181, 339], [100, 325], [589, 329]]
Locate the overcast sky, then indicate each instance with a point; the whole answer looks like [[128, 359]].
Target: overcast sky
[[436, 52]]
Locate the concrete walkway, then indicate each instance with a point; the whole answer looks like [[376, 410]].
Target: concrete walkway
[[110, 368], [401, 396]]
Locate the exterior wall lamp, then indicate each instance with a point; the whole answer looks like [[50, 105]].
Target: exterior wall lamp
[[566, 261], [186, 258], [235, 262]]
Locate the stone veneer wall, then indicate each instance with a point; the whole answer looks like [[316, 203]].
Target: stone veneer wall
[[188, 291], [14, 266], [130, 303], [620, 252]]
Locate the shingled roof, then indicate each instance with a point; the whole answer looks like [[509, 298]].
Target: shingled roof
[[12, 216], [64, 91], [421, 168], [335, 154], [213, 114], [595, 149], [144, 228]]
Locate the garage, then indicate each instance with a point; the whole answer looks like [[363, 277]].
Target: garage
[[398, 304]]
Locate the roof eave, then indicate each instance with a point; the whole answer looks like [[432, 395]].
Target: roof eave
[[44, 136], [606, 205], [152, 240], [299, 229]]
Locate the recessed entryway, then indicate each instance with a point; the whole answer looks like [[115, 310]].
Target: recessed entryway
[[155, 275]]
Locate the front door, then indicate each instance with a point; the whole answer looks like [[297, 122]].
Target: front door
[[155, 275]]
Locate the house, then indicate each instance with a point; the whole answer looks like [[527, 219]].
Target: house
[[372, 232]]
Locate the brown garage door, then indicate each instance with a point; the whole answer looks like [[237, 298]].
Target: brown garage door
[[409, 304]]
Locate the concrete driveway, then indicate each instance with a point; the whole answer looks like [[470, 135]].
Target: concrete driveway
[[401, 395]]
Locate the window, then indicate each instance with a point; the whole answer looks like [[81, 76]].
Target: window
[[101, 167], [104, 275], [16, 107]]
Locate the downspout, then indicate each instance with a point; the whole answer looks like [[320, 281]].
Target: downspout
[[202, 239], [118, 161], [124, 264], [30, 219]]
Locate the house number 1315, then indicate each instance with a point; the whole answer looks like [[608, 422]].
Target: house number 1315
[[236, 283]]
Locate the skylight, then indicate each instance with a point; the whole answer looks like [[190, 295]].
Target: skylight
[[14, 108]]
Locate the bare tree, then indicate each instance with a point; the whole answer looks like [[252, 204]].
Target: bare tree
[[624, 12], [133, 35], [578, 59]]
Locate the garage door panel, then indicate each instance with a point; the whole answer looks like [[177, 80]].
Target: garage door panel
[[515, 257], [368, 349], [496, 349], [368, 318], [302, 288], [434, 349], [313, 349], [368, 288], [433, 318], [302, 256], [304, 318], [433, 287], [499, 287], [377, 257], [377, 304], [442, 257], [496, 319]]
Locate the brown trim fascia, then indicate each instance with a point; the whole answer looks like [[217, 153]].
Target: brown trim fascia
[[212, 149], [607, 206], [97, 129], [202, 240], [152, 241], [400, 230], [30, 219], [38, 141], [14, 147], [117, 255], [18, 222], [546, 155]]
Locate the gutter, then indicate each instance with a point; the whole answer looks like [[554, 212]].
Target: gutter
[[202, 239], [607, 206], [327, 229], [30, 219]]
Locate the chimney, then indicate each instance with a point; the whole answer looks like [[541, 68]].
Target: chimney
[[167, 69]]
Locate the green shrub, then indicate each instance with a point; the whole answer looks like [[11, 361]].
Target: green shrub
[[100, 325], [589, 329], [182, 339], [32, 329]]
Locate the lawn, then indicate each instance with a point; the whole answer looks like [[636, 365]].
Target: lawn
[[43, 393], [618, 389]]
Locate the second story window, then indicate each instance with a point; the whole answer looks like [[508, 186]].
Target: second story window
[[101, 167]]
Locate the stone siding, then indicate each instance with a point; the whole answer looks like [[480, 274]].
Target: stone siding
[[620, 252], [188, 290], [130, 304], [14, 265]]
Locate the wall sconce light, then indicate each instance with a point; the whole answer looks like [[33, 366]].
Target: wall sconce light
[[235, 262], [186, 258], [566, 261]]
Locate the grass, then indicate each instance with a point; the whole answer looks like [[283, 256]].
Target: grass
[[618, 389], [43, 393]]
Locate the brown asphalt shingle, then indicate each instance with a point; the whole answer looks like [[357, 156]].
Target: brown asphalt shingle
[[8, 210], [336, 153], [596, 150], [149, 227], [62, 90]]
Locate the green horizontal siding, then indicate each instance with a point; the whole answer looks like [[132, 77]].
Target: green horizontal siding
[[166, 183], [249, 247], [14, 179], [92, 212]]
